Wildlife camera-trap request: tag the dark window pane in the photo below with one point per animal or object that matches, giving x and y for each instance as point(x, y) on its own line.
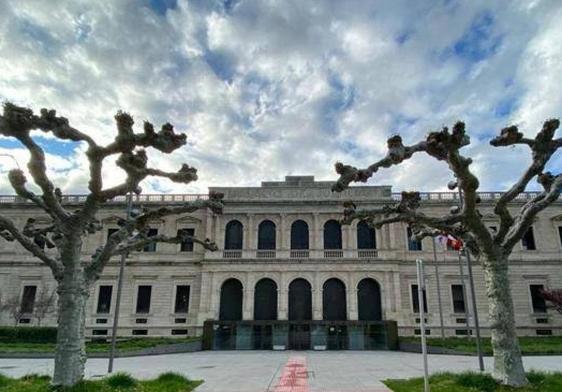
point(413, 244)
point(28, 299)
point(152, 246)
point(369, 300)
point(528, 240)
point(265, 300)
point(415, 299)
point(332, 235)
point(186, 245)
point(458, 298)
point(299, 235)
point(334, 304)
point(231, 300)
point(39, 241)
point(182, 299)
point(143, 299)
point(266, 235)
point(539, 304)
point(560, 234)
point(234, 235)
point(366, 237)
point(104, 299)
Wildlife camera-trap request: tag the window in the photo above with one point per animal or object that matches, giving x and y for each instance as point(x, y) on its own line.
point(266, 235)
point(539, 304)
point(415, 300)
point(187, 244)
point(457, 293)
point(528, 240)
point(560, 234)
point(413, 244)
point(299, 235)
point(143, 299)
point(366, 237)
point(182, 299)
point(28, 299)
point(104, 299)
point(110, 232)
point(152, 246)
point(332, 235)
point(234, 235)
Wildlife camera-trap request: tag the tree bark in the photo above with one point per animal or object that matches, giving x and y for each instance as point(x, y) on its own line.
point(508, 364)
point(73, 291)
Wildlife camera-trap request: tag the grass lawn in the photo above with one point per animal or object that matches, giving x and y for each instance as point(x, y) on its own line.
point(475, 382)
point(167, 382)
point(129, 345)
point(529, 344)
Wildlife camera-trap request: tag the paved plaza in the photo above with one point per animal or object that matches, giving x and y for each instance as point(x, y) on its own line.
point(286, 371)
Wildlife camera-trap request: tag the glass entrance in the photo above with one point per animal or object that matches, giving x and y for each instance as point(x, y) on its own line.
point(337, 338)
point(299, 337)
point(262, 337)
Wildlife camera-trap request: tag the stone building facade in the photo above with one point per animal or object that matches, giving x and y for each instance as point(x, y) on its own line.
point(277, 234)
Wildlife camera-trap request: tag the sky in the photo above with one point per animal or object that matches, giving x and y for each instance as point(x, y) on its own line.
point(265, 89)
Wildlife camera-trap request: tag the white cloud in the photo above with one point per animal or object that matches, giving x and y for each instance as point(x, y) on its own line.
point(267, 88)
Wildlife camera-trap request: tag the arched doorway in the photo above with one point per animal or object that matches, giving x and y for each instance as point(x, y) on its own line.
point(266, 235)
point(299, 235)
point(265, 300)
point(369, 300)
point(233, 235)
point(334, 305)
point(231, 300)
point(300, 309)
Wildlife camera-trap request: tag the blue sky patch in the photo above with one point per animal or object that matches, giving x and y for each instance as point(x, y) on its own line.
point(162, 6)
point(478, 41)
point(222, 64)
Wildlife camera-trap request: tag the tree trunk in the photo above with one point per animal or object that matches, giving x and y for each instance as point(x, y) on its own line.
point(70, 355)
point(508, 364)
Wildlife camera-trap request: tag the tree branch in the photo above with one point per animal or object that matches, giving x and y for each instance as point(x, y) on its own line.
point(10, 233)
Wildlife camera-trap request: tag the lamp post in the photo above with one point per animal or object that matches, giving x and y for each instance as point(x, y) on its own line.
point(438, 289)
point(452, 185)
point(119, 291)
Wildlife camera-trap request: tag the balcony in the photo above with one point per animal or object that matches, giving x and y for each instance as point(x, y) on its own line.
point(293, 254)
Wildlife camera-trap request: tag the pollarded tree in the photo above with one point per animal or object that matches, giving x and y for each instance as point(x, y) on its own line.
point(467, 223)
point(68, 228)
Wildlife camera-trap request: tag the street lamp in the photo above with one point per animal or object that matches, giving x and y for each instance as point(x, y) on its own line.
point(452, 185)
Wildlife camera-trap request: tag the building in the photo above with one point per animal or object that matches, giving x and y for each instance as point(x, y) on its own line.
point(284, 256)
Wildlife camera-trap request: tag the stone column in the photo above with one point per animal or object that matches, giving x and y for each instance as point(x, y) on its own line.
point(351, 292)
point(282, 299)
point(248, 299)
point(249, 240)
point(316, 241)
point(282, 244)
point(317, 298)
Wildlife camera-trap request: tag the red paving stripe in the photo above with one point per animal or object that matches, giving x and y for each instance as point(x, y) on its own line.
point(294, 377)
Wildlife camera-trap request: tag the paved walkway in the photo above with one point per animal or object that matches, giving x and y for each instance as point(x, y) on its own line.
point(285, 371)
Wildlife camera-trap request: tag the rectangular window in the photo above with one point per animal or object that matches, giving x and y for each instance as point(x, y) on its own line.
point(187, 245)
point(560, 234)
point(182, 299)
point(28, 299)
point(104, 299)
point(528, 240)
point(152, 246)
point(413, 244)
point(415, 299)
point(143, 299)
point(458, 298)
point(539, 304)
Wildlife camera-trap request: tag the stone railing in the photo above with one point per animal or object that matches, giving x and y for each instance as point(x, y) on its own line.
point(296, 254)
point(148, 198)
point(452, 196)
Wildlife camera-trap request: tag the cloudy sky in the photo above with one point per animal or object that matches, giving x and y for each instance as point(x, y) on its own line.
point(268, 88)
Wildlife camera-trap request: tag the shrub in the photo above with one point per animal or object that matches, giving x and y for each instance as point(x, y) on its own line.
point(28, 334)
point(121, 381)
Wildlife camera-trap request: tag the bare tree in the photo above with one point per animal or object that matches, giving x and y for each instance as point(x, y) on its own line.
point(12, 306)
point(67, 229)
point(553, 296)
point(44, 304)
point(467, 222)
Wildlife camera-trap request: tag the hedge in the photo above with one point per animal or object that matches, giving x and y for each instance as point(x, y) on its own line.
point(28, 334)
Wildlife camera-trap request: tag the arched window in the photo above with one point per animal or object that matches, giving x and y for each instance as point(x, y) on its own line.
point(234, 235)
point(231, 300)
point(300, 300)
point(266, 235)
point(366, 237)
point(333, 300)
point(299, 235)
point(265, 300)
point(369, 300)
point(332, 235)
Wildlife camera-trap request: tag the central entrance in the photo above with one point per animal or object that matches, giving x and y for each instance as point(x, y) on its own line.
point(300, 309)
